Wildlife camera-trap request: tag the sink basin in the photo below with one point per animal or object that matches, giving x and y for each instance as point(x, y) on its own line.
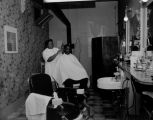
point(109, 83)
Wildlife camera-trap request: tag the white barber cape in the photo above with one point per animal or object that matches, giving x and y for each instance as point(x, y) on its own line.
point(63, 67)
point(68, 66)
point(35, 106)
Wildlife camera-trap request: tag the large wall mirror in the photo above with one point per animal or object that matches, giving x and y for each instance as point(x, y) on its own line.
point(134, 19)
point(150, 26)
point(141, 28)
point(132, 30)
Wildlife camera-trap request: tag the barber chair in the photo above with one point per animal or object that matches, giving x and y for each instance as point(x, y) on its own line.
point(41, 85)
point(76, 92)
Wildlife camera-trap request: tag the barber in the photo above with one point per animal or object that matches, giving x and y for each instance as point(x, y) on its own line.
point(50, 54)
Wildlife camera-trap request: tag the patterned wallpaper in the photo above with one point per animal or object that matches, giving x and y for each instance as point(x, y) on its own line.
point(17, 67)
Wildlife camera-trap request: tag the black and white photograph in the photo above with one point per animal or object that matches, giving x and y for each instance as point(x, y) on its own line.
point(76, 59)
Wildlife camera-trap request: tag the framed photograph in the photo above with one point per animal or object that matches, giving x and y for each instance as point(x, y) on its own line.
point(11, 41)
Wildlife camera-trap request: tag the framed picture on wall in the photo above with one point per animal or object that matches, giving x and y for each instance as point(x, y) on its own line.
point(11, 41)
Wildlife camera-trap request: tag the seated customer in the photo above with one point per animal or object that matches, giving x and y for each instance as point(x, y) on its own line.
point(68, 67)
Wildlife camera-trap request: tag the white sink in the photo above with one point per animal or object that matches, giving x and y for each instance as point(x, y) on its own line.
point(109, 83)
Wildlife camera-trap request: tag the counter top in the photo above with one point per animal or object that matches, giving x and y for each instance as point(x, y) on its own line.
point(143, 77)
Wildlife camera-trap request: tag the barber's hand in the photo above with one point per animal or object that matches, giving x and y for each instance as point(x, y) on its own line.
point(57, 102)
point(59, 51)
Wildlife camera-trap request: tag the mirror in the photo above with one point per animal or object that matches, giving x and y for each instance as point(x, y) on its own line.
point(150, 26)
point(132, 30)
point(141, 28)
point(134, 19)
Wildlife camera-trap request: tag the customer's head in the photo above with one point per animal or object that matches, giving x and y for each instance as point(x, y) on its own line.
point(49, 44)
point(67, 49)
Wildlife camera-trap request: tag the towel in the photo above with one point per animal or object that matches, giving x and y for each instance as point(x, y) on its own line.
point(36, 104)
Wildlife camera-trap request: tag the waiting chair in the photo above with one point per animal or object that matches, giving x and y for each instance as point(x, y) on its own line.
point(41, 84)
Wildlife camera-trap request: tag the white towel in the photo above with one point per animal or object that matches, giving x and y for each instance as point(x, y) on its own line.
point(36, 104)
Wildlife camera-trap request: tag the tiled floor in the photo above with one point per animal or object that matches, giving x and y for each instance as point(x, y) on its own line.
point(100, 109)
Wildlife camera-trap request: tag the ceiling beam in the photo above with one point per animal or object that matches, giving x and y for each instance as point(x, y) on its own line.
point(59, 13)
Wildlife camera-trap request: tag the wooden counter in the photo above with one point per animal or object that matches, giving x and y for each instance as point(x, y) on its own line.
point(141, 79)
point(143, 92)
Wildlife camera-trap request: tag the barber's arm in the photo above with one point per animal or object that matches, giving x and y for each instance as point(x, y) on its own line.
point(53, 56)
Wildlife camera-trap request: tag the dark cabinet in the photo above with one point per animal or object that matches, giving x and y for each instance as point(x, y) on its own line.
point(104, 50)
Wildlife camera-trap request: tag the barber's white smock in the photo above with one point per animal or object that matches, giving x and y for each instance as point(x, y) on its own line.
point(49, 66)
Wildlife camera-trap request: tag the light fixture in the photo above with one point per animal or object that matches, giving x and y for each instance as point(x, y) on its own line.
point(50, 1)
point(125, 18)
point(144, 0)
